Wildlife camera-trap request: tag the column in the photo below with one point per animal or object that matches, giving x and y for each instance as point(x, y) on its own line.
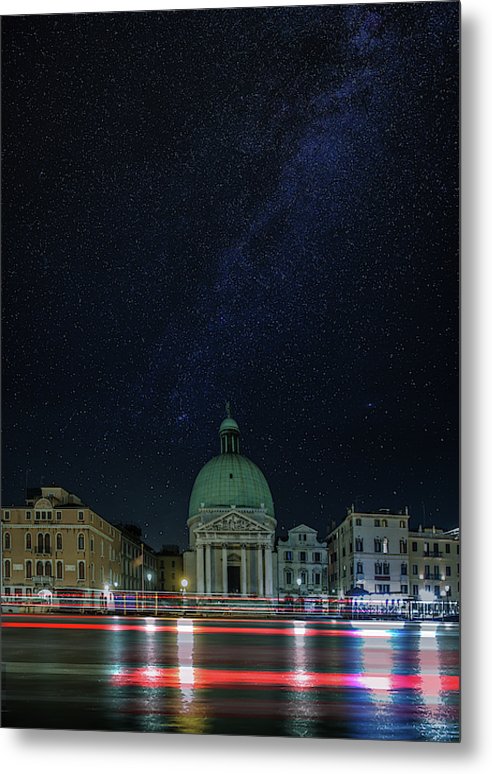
point(259, 570)
point(208, 569)
point(224, 569)
point(199, 568)
point(243, 571)
point(268, 572)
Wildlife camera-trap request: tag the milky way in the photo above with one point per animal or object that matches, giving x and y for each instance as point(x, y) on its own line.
point(254, 205)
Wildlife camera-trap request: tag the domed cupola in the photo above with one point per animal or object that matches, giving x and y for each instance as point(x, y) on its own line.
point(229, 434)
point(230, 479)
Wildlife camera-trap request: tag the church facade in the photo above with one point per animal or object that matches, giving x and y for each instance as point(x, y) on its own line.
point(231, 523)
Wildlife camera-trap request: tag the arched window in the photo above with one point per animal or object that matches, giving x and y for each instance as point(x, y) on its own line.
point(29, 569)
point(81, 570)
point(384, 523)
point(59, 570)
point(47, 543)
point(81, 542)
point(39, 568)
point(7, 568)
point(47, 569)
point(28, 541)
point(40, 543)
point(59, 542)
point(6, 541)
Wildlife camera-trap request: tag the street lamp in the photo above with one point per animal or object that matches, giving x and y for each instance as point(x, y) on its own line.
point(149, 577)
point(184, 584)
point(299, 583)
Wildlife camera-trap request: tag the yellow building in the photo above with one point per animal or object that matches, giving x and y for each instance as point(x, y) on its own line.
point(57, 542)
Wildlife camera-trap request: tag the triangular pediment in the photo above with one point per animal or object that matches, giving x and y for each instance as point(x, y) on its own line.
point(232, 522)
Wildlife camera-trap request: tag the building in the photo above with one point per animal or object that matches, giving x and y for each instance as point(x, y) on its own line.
point(170, 569)
point(231, 523)
point(56, 541)
point(139, 564)
point(434, 558)
point(369, 550)
point(302, 563)
point(376, 552)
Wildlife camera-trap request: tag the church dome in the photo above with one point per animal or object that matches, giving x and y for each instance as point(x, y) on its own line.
point(230, 478)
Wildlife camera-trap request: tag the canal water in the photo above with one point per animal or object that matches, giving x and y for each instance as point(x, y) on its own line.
point(352, 680)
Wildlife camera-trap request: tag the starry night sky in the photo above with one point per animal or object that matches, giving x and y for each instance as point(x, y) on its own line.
point(254, 205)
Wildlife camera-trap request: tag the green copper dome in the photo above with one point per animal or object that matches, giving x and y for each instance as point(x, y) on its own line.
point(230, 478)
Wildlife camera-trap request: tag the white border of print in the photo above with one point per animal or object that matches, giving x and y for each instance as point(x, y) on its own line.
point(52, 751)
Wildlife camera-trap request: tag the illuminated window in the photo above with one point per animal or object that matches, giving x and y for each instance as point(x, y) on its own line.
point(385, 546)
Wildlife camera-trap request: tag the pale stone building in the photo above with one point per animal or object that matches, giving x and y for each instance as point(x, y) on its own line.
point(434, 557)
point(302, 563)
point(376, 552)
point(232, 524)
point(369, 551)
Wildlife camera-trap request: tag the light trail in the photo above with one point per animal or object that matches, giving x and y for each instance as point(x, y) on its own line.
point(431, 685)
